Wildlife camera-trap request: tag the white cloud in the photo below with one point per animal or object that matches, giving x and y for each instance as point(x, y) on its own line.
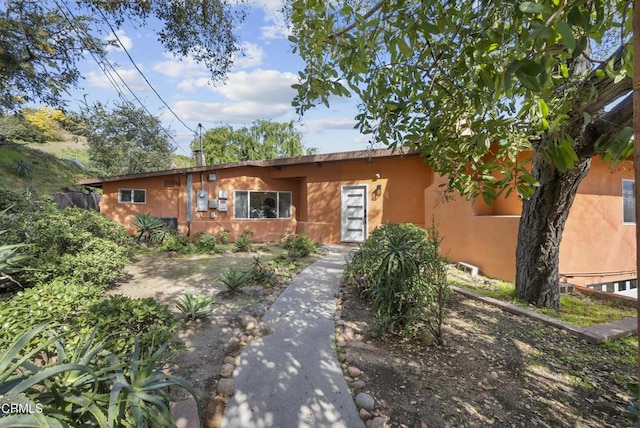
point(180, 67)
point(191, 85)
point(125, 41)
point(253, 55)
point(261, 86)
point(235, 113)
point(131, 77)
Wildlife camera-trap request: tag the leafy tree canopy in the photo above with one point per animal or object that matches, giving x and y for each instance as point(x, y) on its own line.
point(262, 140)
point(41, 41)
point(451, 78)
point(473, 83)
point(126, 140)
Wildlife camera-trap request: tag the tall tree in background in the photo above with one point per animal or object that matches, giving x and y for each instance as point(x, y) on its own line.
point(126, 140)
point(41, 41)
point(472, 83)
point(262, 140)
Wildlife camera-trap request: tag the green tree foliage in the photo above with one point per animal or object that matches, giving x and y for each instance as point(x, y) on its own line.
point(262, 140)
point(16, 127)
point(43, 40)
point(126, 140)
point(472, 84)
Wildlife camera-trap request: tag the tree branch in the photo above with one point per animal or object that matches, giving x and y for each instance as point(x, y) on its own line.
point(350, 27)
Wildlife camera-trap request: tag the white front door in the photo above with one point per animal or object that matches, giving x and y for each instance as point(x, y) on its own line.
point(353, 222)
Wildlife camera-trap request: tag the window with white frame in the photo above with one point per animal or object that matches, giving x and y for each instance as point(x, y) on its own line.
point(260, 204)
point(629, 201)
point(132, 196)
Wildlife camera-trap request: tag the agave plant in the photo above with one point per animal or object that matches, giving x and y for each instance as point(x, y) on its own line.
point(11, 261)
point(148, 225)
point(140, 395)
point(194, 306)
point(234, 280)
point(86, 386)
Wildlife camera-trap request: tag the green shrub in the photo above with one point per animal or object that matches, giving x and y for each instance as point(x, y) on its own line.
point(118, 319)
point(298, 246)
point(16, 127)
point(57, 300)
point(98, 262)
point(204, 242)
point(401, 274)
point(234, 280)
point(223, 236)
point(17, 201)
point(179, 244)
point(263, 274)
point(24, 169)
point(194, 306)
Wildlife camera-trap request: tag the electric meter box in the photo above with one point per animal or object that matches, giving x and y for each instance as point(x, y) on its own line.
point(201, 200)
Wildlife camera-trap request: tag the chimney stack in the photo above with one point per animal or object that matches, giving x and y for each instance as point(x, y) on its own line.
point(199, 155)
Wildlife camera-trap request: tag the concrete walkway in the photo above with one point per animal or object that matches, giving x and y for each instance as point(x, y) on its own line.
point(291, 377)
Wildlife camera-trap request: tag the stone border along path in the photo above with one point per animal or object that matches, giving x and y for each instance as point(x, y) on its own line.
point(289, 376)
point(273, 380)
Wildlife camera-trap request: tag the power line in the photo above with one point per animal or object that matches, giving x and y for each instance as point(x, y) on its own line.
point(141, 73)
point(104, 64)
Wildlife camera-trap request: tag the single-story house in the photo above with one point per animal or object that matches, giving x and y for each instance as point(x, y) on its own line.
point(343, 197)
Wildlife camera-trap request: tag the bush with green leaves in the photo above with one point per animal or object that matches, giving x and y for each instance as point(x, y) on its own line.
point(98, 262)
point(263, 274)
point(119, 319)
point(17, 201)
point(204, 242)
point(222, 236)
point(177, 243)
point(234, 280)
point(194, 307)
point(401, 274)
point(58, 300)
point(298, 246)
point(16, 127)
point(84, 384)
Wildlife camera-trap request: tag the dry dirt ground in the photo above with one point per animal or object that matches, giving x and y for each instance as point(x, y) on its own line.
point(495, 368)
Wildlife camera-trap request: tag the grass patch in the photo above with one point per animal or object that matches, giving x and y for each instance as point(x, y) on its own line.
point(575, 308)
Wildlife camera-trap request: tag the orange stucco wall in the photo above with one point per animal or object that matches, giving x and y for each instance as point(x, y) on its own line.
point(315, 192)
point(594, 239)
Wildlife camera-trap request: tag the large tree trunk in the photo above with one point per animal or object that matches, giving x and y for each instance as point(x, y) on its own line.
point(543, 219)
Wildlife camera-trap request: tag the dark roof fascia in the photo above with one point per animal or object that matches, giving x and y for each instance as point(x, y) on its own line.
point(277, 163)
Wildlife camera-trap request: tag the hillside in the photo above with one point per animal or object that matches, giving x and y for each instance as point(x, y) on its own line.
point(24, 167)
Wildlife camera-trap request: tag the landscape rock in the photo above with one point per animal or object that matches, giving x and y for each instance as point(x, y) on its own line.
point(234, 345)
point(230, 360)
point(365, 401)
point(365, 415)
point(226, 387)
point(377, 422)
point(357, 384)
point(227, 370)
point(354, 371)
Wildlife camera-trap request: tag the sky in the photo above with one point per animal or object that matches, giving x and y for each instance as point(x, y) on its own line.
point(258, 86)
